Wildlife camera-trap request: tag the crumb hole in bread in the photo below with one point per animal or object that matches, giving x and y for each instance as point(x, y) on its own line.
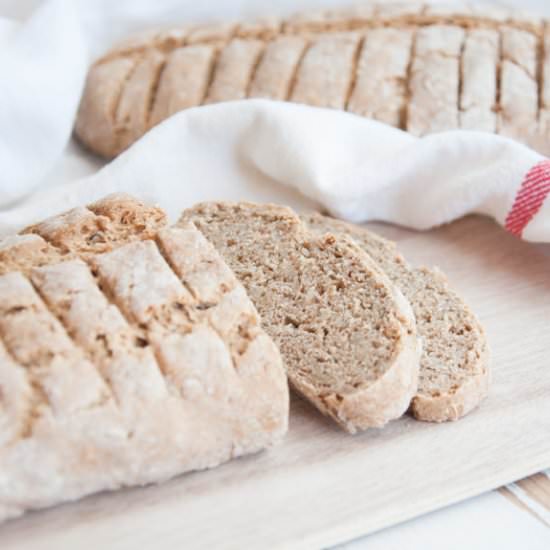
point(15, 310)
point(141, 342)
point(290, 321)
point(203, 306)
point(126, 218)
point(97, 237)
point(103, 339)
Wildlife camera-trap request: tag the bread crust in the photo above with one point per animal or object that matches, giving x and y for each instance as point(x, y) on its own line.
point(129, 353)
point(451, 406)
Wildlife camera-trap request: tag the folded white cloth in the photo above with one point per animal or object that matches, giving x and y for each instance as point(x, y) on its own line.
point(356, 168)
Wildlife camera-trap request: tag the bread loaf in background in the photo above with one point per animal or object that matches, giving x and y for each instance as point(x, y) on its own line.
point(422, 68)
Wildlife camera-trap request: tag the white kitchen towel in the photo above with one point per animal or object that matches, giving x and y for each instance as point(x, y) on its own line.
point(355, 168)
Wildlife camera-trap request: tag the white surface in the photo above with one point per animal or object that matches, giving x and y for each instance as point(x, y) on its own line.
point(36, 161)
point(537, 508)
point(487, 522)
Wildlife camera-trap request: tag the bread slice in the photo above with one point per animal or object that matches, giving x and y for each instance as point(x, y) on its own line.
point(347, 336)
point(454, 368)
point(129, 353)
point(419, 67)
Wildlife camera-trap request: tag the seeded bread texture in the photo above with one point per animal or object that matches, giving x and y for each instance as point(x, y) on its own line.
point(419, 67)
point(347, 336)
point(454, 368)
point(129, 353)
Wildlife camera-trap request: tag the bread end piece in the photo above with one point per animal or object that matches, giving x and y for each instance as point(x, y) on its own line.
point(96, 125)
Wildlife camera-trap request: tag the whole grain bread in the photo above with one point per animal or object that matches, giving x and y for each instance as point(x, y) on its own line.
point(454, 368)
point(346, 334)
point(420, 67)
point(129, 353)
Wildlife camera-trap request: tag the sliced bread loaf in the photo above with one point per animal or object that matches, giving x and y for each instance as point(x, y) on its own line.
point(129, 353)
point(347, 336)
point(454, 368)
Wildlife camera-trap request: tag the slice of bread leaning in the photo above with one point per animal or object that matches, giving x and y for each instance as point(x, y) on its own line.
point(346, 334)
point(129, 353)
point(454, 368)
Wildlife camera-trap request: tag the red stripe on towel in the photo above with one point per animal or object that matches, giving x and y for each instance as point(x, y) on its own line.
point(534, 189)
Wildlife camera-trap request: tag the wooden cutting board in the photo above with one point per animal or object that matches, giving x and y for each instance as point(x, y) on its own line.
point(322, 486)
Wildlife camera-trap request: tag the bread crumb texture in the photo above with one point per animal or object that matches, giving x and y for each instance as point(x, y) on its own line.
point(347, 336)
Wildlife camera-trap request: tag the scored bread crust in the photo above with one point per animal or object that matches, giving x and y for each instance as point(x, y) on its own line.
point(418, 67)
point(129, 353)
point(281, 265)
point(443, 402)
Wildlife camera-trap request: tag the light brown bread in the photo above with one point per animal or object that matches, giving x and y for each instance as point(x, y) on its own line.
point(454, 368)
point(418, 67)
point(129, 353)
point(347, 336)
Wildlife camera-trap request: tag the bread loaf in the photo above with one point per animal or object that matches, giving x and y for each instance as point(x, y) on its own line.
point(129, 353)
point(422, 68)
